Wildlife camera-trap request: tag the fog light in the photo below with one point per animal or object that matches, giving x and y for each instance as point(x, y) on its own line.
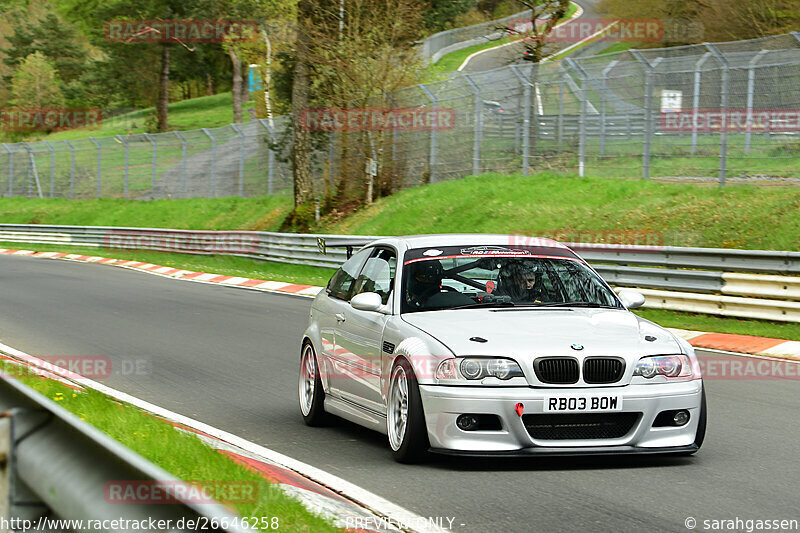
point(681, 418)
point(467, 422)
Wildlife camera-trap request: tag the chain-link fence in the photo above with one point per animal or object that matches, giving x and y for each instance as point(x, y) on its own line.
point(233, 160)
point(728, 111)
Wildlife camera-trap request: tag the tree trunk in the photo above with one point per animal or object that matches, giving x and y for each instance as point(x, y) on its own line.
point(245, 88)
point(209, 84)
point(301, 147)
point(237, 85)
point(163, 90)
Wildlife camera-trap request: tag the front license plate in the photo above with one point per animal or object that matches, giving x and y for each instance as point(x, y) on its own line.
point(582, 404)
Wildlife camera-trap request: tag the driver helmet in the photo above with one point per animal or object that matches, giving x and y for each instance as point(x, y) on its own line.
point(516, 277)
point(424, 280)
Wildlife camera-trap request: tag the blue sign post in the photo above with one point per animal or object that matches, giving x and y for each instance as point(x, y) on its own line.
point(254, 79)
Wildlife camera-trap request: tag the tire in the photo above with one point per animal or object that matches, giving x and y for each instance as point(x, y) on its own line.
point(405, 420)
point(310, 392)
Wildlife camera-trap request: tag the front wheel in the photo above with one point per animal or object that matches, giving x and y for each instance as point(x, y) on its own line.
point(408, 436)
point(312, 397)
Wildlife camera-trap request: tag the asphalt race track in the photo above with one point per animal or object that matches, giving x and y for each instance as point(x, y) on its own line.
point(228, 357)
point(512, 54)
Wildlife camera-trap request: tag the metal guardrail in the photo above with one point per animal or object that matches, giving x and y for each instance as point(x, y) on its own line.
point(703, 273)
point(292, 248)
point(722, 259)
point(440, 44)
point(57, 467)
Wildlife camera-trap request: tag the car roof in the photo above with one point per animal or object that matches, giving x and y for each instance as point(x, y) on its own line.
point(474, 239)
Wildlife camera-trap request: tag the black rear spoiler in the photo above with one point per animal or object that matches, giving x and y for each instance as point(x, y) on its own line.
point(349, 245)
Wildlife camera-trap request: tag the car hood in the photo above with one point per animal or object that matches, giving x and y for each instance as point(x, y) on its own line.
point(530, 333)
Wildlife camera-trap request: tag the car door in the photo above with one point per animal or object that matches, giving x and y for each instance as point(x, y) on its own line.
point(360, 335)
point(330, 311)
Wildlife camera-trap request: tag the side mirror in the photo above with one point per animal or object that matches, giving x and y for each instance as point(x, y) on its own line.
point(631, 299)
point(367, 301)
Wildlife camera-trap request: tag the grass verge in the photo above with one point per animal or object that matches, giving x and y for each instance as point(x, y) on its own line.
point(202, 112)
point(596, 209)
point(264, 213)
point(181, 454)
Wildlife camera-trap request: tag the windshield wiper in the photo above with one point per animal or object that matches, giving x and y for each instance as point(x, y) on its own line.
point(577, 304)
point(484, 304)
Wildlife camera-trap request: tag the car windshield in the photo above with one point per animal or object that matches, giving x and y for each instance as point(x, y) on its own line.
point(436, 280)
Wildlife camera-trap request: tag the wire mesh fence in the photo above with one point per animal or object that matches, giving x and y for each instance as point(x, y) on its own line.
point(722, 112)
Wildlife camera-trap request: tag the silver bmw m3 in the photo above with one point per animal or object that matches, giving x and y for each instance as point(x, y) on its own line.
point(495, 345)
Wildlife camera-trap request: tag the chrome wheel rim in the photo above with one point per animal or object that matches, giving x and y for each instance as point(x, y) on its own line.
point(398, 408)
point(308, 379)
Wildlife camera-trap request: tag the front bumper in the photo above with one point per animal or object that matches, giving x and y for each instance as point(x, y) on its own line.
point(443, 404)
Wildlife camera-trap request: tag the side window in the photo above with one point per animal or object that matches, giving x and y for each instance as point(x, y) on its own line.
point(378, 274)
point(341, 283)
point(582, 285)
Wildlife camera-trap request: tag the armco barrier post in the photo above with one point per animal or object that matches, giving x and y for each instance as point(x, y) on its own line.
point(696, 97)
point(183, 163)
point(124, 142)
point(560, 124)
point(604, 81)
point(241, 158)
point(648, 109)
point(751, 85)
point(724, 91)
point(10, 170)
point(152, 162)
point(33, 170)
point(394, 140)
point(584, 77)
point(52, 168)
point(434, 136)
point(213, 161)
point(526, 119)
point(271, 156)
point(99, 164)
point(331, 154)
point(71, 170)
point(477, 127)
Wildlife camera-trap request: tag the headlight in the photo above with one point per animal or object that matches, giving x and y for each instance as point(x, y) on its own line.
point(474, 368)
point(668, 366)
point(477, 368)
